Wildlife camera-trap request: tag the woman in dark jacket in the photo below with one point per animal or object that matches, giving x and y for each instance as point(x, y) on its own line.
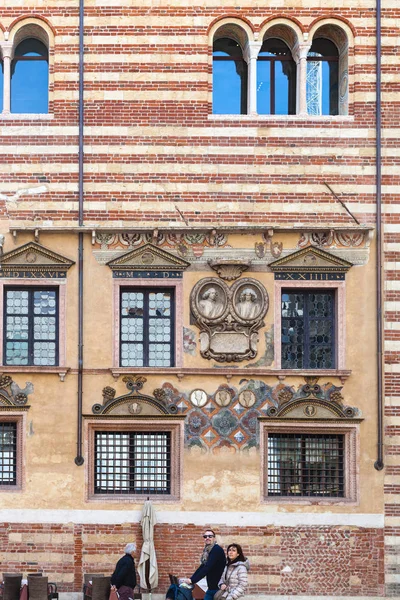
point(124, 577)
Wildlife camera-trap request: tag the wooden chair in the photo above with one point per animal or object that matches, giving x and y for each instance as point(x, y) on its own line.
point(101, 588)
point(38, 587)
point(12, 586)
point(87, 593)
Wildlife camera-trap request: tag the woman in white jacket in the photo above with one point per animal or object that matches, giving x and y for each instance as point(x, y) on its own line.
point(233, 582)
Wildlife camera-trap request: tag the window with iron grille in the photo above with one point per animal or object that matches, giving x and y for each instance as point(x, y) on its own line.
point(132, 462)
point(8, 453)
point(308, 329)
point(306, 465)
point(31, 326)
point(147, 327)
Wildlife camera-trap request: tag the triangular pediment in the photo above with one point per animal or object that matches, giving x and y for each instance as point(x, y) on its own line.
point(33, 258)
point(148, 258)
point(310, 260)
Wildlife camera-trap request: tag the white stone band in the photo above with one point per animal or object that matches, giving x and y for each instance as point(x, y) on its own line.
point(231, 519)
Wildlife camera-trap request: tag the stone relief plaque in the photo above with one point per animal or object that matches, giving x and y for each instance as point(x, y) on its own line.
point(229, 318)
point(198, 398)
point(248, 302)
point(223, 398)
point(247, 398)
point(211, 300)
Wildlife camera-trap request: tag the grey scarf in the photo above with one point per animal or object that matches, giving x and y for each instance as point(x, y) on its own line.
point(206, 552)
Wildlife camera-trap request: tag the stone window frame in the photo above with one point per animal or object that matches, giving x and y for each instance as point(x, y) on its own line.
point(340, 312)
point(21, 29)
point(148, 423)
point(62, 339)
point(351, 433)
point(177, 285)
point(20, 420)
point(299, 42)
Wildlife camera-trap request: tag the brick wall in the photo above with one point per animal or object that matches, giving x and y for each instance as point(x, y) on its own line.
point(337, 561)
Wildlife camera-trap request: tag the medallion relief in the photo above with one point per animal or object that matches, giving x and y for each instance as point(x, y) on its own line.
point(229, 318)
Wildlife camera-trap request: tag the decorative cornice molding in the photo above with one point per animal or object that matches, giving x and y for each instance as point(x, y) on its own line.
point(310, 260)
point(34, 260)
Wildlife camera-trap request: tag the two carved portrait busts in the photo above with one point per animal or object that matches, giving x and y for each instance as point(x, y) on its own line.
point(229, 317)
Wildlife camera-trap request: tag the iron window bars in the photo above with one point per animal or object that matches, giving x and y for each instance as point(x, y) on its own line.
point(8, 453)
point(305, 465)
point(132, 462)
point(31, 326)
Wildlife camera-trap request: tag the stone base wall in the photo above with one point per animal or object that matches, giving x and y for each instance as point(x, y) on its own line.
point(302, 561)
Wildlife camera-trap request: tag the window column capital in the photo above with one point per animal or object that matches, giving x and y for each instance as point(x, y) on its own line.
point(301, 52)
point(7, 50)
point(251, 51)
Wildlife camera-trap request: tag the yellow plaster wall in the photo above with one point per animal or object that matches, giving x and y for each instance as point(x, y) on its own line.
point(225, 479)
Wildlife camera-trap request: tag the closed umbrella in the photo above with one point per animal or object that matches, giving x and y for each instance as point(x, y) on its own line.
point(147, 568)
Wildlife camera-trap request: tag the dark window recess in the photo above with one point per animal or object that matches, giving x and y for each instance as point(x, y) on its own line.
point(323, 78)
point(308, 329)
point(31, 326)
point(305, 465)
point(132, 463)
point(229, 78)
point(30, 78)
point(8, 453)
point(147, 327)
point(276, 79)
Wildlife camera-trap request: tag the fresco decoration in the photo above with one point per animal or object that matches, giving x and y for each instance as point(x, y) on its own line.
point(268, 357)
point(334, 239)
point(235, 427)
point(184, 243)
point(229, 317)
point(134, 402)
point(189, 341)
point(11, 394)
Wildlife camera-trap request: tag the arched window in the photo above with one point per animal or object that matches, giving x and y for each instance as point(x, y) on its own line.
point(30, 78)
point(276, 79)
point(322, 78)
point(229, 78)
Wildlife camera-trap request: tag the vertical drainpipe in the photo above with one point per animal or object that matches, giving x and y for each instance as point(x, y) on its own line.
point(79, 460)
point(379, 464)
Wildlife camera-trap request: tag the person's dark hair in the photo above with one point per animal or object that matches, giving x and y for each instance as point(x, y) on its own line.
point(241, 556)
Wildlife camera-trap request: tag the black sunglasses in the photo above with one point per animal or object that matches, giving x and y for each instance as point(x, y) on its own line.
point(207, 536)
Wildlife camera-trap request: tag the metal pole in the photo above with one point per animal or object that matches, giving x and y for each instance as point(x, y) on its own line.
point(79, 460)
point(379, 464)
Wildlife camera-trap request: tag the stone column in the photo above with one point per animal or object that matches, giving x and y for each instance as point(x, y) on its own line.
point(7, 51)
point(250, 56)
point(302, 78)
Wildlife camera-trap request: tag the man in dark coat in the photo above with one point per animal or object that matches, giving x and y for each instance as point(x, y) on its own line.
point(124, 577)
point(213, 563)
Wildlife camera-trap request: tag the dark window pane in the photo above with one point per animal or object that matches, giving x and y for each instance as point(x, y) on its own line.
point(276, 79)
point(305, 465)
point(30, 78)
point(132, 463)
point(229, 78)
point(8, 453)
point(31, 327)
point(308, 327)
point(147, 328)
point(31, 47)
